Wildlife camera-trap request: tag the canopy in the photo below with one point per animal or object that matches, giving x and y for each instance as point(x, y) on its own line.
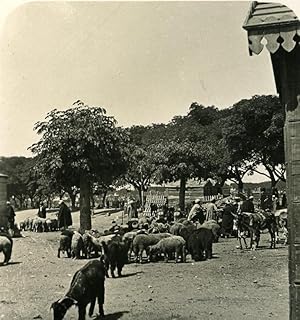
point(274, 24)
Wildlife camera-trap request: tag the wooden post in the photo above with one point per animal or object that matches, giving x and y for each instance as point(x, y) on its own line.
point(287, 68)
point(3, 199)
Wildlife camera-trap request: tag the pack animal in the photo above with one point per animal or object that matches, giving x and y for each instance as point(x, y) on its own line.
point(253, 223)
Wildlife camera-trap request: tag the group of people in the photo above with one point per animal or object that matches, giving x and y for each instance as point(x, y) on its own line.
point(201, 214)
point(224, 215)
point(64, 215)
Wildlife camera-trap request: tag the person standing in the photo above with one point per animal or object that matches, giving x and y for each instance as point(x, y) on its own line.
point(42, 211)
point(64, 216)
point(283, 200)
point(10, 212)
point(227, 219)
point(196, 213)
point(212, 211)
point(248, 205)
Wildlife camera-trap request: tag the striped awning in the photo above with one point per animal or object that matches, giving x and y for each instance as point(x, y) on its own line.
point(273, 25)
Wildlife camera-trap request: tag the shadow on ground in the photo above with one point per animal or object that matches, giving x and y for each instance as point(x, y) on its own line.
point(131, 274)
point(112, 316)
point(9, 263)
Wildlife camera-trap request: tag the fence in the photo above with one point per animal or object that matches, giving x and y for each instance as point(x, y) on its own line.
point(209, 198)
point(154, 198)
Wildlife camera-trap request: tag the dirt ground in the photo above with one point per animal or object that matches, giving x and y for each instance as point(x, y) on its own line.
point(235, 284)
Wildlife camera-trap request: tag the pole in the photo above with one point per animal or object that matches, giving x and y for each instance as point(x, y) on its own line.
point(142, 189)
point(287, 66)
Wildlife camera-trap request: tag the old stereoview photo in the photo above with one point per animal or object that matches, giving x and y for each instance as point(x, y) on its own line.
point(149, 160)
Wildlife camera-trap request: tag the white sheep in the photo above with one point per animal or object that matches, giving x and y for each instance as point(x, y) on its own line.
point(169, 246)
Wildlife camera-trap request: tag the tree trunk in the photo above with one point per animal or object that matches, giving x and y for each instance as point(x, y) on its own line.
point(182, 194)
point(49, 202)
point(140, 194)
point(73, 200)
point(240, 186)
point(272, 176)
point(85, 207)
point(103, 198)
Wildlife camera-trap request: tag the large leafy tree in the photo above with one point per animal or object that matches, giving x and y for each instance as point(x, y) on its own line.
point(188, 151)
point(142, 165)
point(78, 147)
point(253, 134)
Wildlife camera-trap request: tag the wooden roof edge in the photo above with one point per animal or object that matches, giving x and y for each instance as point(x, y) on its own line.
point(269, 24)
point(249, 13)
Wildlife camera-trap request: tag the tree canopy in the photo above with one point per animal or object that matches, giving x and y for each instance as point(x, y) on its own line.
point(79, 146)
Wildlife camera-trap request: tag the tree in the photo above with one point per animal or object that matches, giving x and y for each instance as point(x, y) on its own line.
point(253, 134)
point(82, 145)
point(21, 181)
point(141, 168)
point(181, 160)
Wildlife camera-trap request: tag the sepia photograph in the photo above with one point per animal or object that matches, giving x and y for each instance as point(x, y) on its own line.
point(149, 160)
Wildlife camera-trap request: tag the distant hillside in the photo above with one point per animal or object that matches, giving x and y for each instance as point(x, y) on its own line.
point(266, 184)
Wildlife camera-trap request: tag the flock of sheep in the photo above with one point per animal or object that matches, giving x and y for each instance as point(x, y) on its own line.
point(38, 224)
point(147, 241)
point(123, 246)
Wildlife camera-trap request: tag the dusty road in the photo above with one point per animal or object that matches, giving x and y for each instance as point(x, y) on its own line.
point(234, 285)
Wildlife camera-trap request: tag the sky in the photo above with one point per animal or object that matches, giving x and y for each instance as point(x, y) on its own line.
point(145, 62)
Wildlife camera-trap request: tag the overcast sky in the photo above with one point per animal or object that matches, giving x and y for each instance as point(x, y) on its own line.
point(143, 61)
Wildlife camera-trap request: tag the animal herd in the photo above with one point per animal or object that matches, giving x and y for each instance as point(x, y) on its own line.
point(38, 224)
point(143, 244)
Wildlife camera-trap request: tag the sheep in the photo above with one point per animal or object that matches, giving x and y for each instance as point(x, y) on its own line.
point(65, 243)
point(87, 284)
point(142, 242)
point(183, 229)
point(6, 244)
point(48, 224)
point(214, 227)
point(76, 245)
point(128, 239)
point(22, 225)
point(28, 222)
point(200, 241)
point(115, 255)
point(39, 225)
point(87, 245)
point(168, 246)
point(54, 224)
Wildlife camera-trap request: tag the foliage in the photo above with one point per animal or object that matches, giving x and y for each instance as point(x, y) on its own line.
point(79, 146)
point(21, 180)
point(253, 134)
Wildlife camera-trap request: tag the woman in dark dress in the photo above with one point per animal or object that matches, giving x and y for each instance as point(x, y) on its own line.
point(227, 219)
point(64, 216)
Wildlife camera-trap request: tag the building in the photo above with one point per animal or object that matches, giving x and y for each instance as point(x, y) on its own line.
point(280, 27)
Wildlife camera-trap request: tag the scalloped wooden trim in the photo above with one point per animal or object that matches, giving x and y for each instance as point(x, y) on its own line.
point(272, 36)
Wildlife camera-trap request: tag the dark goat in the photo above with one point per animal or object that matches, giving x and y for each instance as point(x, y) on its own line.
point(200, 241)
point(87, 285)
point(115, 256)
